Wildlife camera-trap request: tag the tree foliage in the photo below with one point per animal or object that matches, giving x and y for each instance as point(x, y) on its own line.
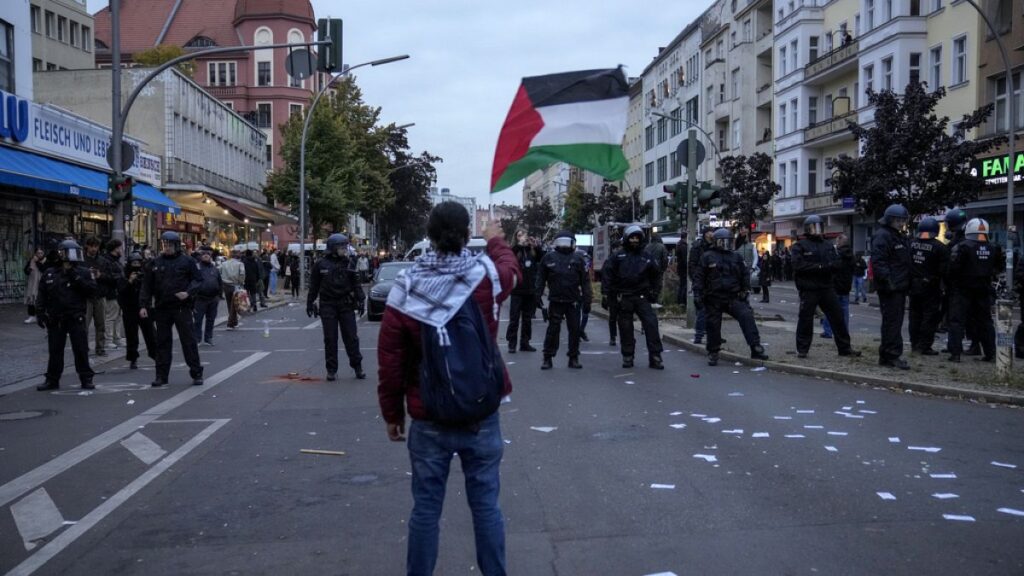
point(157, 55)
point(538, 217)
point(910, 156)
point(579, 209)
point(410, 177)
point(614, 206)
point(510, 223)
point(747, 188)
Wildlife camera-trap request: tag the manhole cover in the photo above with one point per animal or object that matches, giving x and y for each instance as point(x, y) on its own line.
point(25, 415)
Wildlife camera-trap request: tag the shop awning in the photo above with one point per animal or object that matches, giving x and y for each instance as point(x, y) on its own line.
point(27, 170)
point(246, 212)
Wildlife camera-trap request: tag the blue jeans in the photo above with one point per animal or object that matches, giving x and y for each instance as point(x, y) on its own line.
point(430, 452)
point(204, 314)
point(844, 303)
point(273, 281)
point(700, 330)
point(859, 293)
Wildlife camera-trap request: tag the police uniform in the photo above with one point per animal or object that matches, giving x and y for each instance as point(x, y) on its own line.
point(700, 246)
point(336, 283)
point(64, 293)
point(891, 262)
point(523, 300)
point(610, 304)
point(165, 277)
point(630, 281)
point(814, 263)
point(973, 265)
point(564, 273)
point(930, 259)
point(722, 284)
point(128, 298)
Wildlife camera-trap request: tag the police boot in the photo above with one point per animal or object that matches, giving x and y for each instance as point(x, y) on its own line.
point(88, 385)
point(654, 361)
point(974, 350)
point(627, 361)
point(134, 365)
point(360, 375)
point(574, 362)
point(159, 382)
point(713, 359)
point(611, 342)
point(954, 358)
point(48, 385)
point(197, 378)
point(511, 347)
point(546, 364)
point(757, 352)
point(331, 376)
point(525, 347)
point(583, 336)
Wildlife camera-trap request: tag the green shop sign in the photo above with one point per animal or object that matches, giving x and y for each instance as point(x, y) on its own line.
point(994, 170)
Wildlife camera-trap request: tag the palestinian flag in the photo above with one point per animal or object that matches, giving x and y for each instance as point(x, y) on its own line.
point(574, 117)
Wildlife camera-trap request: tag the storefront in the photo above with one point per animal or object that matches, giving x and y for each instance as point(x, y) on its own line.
point(993, 201)
point(231, 221)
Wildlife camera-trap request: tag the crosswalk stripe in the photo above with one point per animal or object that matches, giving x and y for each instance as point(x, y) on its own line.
point(36, 516)
point(143, 448)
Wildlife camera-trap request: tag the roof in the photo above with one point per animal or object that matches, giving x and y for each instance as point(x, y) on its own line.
point(300, 10)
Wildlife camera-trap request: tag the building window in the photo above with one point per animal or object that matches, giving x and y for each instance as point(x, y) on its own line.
point(264, 115)
point(221, 73)
point(649, 174)
point(648, 137)
point(888, 10)
point(783, 181)
point(915, 7)
point(62, 24)
point(270, 156)
point(73, 34)
point(86, 39)
point(34, 16)
point(887, 73)
point(736, 133)
point(915, 67)
point(6, 57)
point(735, 83)
point(711, 98)
point(721, 92)
point(263, 73)
point(662, 130)
point(51, 24)
point(812, 176)
point(662, 169)
point(869, 78)
point(936, 5)
point(959, 60)
point(691, 110)
point(51, 67)
point(794, 113)
point(812, 110)
point(674, 166)
point(1000, 111)
point(200, 42)
point(828, 181)
point(935, 76)
point(782, 119)
point(37, 65)
point(782, 62)
point(812, 50)
point(794, 176)
point(294, 109)
point(747, 36)
point(721, 138)
point(793, 47)
point(677, 124)
point(829, 107)
point(869, 14)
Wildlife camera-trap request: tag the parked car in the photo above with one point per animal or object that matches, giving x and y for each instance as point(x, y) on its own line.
point(383, 280)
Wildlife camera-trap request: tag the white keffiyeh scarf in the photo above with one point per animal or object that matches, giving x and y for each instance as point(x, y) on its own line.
point(433, 290)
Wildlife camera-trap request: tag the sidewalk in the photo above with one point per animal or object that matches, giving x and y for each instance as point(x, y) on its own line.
point(24, 345)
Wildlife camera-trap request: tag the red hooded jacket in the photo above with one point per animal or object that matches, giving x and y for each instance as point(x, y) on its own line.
point(399, 349)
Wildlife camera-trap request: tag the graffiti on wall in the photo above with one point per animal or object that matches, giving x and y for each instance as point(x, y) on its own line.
point(14, 249)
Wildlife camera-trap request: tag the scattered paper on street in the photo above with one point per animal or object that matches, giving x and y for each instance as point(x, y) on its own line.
point(544, 429)
point(885, 495)
point(929, 449)
point(759, 435)
point(1011, 511)
point(944, 495)
point(958, 517)
point(943, 476)
point(831, 448)
point(1004, 465)
point(706, 457)
point(663, 486)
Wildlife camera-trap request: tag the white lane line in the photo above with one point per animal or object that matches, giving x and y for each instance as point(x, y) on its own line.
point(67, 537)
point(313, 326)
point(36, 477)
point(143, 448)
point(36, 516)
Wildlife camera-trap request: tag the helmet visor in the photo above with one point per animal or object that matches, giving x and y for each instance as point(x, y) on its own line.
point(723, 243)
point(71, 254)
point(898, 223)
point(814, 229)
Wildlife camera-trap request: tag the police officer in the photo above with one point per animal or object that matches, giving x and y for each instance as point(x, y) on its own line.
point(523, 300)
point(128, 298)
point(722, 284)
point(930, 264)
point(700, 246)
point(64, 294)
point(168, 289)
point(891, 262)
point(564, 272)
point(335, 281)
point(608, 304)
point(630, 282)
point(973, 265)
point(815, 261)
point(956, 220)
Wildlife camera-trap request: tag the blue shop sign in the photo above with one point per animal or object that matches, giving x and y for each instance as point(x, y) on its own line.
point(14, 119)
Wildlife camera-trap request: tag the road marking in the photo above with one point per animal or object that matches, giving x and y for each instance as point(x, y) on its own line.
point(36, 516)
point(313, 326)
point(143, 448)
point(66, 538)
point(36, 477)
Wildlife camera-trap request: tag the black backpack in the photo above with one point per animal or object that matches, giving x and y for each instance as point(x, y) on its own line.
point(462, 375)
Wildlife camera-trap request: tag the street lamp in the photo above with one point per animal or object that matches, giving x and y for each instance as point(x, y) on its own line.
point(302, 155)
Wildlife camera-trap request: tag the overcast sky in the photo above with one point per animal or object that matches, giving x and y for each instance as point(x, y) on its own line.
point(468, 56)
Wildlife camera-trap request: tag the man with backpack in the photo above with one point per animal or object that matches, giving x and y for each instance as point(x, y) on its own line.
point(439, 361)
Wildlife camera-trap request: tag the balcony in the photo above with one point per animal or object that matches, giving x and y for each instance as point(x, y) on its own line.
point(834, 61)
point(227, 92)
point(831, 127)
point(764, 95)
point(764, 43)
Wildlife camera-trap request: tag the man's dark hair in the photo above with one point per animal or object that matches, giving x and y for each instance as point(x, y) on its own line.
point(448, 227)
point(92, 241)
point(114, 244)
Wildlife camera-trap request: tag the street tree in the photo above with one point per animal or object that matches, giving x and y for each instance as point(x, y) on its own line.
point(747, 188)
point(410, 177)
point(579, 209)
point(615, 206)
point(538, 216)
point(911, 156)
point(157, 55)
point(511, 223)
point(346, 162)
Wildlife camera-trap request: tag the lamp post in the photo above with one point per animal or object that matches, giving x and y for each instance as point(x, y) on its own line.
point(302, 155)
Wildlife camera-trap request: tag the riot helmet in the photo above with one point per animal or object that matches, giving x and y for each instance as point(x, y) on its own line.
point(928, 229)
point(955, 219)
point(722, 239)
point(563, 241)
point(896, 216)
point(813, 226)
point(977, 229)
point(337, 244)
point(70, 251)
point(170, 241)
point(135, 260)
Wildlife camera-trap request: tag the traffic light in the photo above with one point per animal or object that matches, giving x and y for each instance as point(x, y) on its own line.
point(120, 188)
point(708, 196)
point(675, 203)
point(328, 56)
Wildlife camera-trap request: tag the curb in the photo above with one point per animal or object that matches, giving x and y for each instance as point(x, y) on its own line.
point(938, 390)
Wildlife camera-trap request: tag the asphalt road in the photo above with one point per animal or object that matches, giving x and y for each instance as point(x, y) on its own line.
point(693, 470)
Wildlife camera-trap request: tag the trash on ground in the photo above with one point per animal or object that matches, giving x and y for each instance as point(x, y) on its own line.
point(831, 448)
point(322, 452)
point(663, 486)
point(758, 369)
point(928, 449)
point(944, 476)
point(958, 517)
point(885, 495)
point(544, 429)
point(706, 457)
point(944, 495)
point(1004, 465)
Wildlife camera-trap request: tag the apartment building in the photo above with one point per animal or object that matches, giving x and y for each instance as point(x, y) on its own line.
point(633, 144)
point(551, 183)
point(438, 195)
point(62, 36)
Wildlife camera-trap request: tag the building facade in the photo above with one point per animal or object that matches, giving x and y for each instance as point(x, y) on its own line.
point(62, 35)
point(438, 195)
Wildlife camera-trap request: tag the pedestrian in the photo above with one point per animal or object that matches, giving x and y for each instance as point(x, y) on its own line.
point(764, 276)
point(777, 266)
point(860, 273)
point(583, 308)
point(747, 251)
point(722, 284)
point(64, 294)
point(450, 274)
point(680, 264)
point(293, 266)
point(700, 246)
point(929, 268)
point(264, 286)
point(363, 267)
point(609, 304)
point(842, 280)
point(336, 284)
point(523, 301)
point(787, 265)
point(109, 282)
point(630, 282)
point(232, 278)
point(33, 274)
point(564, 273)
point(128, 299)
point(94, 314)
point(252, 279)
point(656, 251)
point(814, 263)
point(891, 263)
point(168, 290)
point(211, 290)
point(275, 270)
point(973, 265)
